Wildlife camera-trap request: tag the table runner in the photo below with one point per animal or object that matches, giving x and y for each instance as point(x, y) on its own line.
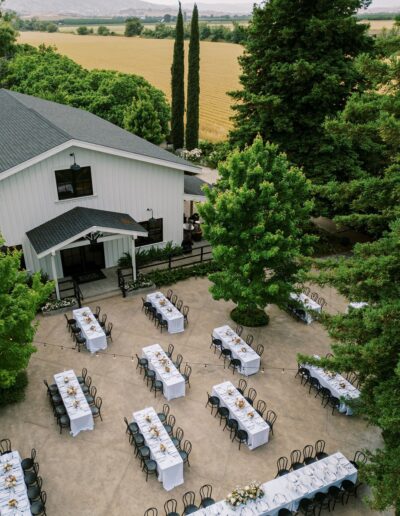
point(308, 304)
point(256, 427)
point(168, 311)
point(169, 462)
point(337, 384)
point(81, 416)
point(173, 381)
point(287, 491)
point(92, 331)
point(248, 357)
point(17, 492)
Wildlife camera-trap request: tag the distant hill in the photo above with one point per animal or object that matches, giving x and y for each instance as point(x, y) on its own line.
point(93, 8)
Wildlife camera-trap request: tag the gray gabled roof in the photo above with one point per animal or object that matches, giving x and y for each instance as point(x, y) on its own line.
point(30, 126)
point(55, 232)
point(193, 185)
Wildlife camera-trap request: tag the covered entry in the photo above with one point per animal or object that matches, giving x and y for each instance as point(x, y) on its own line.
point(79, 235)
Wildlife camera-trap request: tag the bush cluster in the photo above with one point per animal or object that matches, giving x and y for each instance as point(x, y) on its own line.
point(170, 276)
point(16, 392)
point(151, 254)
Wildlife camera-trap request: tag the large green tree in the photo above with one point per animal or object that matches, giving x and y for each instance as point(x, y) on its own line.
point(193, 85)
point(297, 69)
point(18, 306)
point(255, 217)
point(366, 341)
point(133, 27)
point(178, 85)
point(47, 74)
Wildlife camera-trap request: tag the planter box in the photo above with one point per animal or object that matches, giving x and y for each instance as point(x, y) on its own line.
point(140, 291)
point(61, 310)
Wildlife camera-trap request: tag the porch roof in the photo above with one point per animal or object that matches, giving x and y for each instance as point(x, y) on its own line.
point(79, 222)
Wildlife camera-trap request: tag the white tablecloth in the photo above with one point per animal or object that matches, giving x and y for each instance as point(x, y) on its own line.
point(19, 492)
point(256, 427)
point(356, 305)
point(173, 381)
point(169, 462)
point(338, 385)
point(92, 331)
point(249, 358)
point(308, 304)
point(168, 311)
point(81, 416)
point(287, 491)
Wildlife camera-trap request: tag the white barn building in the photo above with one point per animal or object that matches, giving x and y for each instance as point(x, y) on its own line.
point(76, 191)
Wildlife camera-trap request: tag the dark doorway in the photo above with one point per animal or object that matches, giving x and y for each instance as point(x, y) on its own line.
point(84, 262)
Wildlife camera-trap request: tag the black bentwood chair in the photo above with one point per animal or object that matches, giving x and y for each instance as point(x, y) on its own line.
point(189, 506)
point(282, 465)
point(206, 496)
point(170, 507)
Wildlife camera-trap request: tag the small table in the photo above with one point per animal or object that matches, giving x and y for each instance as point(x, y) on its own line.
point(94, 334)
point(169, 461)
point(80, 415)
point(308, 304)
point(255, 426)
point(17, 492)
point(247, 356)
point(173, 381)
point(168, 311)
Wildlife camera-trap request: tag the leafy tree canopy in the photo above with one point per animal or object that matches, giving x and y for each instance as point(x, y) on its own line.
point(133, 27)
point(297, 69)
point(18, 306)
point(366, 341)
point(46, 74)
point(254, 218)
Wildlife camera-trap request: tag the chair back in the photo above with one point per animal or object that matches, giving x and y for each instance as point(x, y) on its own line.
point(319, 446)
point(39, 482)
point(5, 446)
point(110, 327)
point(187, 447)
point(322, 302)
point(43, 497)
point(360, 457)
point(47, 385)
point(179, 304)
point(329, 355)
point(127, 424)
point(249, 339)
point(282, 463)
point(93, 391)
point(170, 505)
point(206, 491)
point(171, 420)
point(179, 433)
point(252, 394)
point(239, 330)
point(84, 373)
point(185, 310)
point(188, 371)
point(179, 359)
point(188, 498)
point(306, 291)
point(98, 309)
point(270, 417)
point(242, 384)
point(295, 456)
point(33, 454)
point(104, 318)
point(171, 348)
point(166, 409)
point(66, 317)
point(88, 381)
point(260, 350)
point(314, 296)
point(308, 451)
point(151, 512)
point(261, 406)
point(36, 468)
point(169, 293)
point(174, 299)
point(99, 402)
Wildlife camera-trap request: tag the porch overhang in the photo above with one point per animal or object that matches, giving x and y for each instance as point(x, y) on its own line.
point(193, 189)
point(77, 223)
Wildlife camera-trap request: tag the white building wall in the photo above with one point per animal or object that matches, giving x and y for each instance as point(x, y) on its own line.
point(29, 198)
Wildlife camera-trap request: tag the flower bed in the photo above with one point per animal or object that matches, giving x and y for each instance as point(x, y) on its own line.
point(242, 495)
point(59, 306)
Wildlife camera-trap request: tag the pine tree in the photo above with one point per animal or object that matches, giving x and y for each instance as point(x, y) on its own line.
point(178, 86)
point(193, 91)
point(298, 69)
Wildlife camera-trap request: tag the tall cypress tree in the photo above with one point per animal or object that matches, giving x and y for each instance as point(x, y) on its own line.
point(193, 92)
point(178, 86)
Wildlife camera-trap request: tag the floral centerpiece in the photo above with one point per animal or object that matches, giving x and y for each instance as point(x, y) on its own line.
point(76, 403)
point(164, 361)
point(162, 448)
point(71, 391)
point(241, 495)
point(11, 481)
point(163, 302)
point(93, 327)
point(155, 431)
point(13, 503)
point(237, 340)
point(250, 414)
point(66, 379)
point(331, 374)
point(158, 354)
point(240, 403)
point(88, 319)
point(167, 369)
point(148, 418)
point(243, 350)
point(7, 466)
point(342, 385)
point(230, 392)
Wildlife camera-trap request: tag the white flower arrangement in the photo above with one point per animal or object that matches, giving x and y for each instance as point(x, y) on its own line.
point(241, 495)
point(57, 304)
point(191, 155)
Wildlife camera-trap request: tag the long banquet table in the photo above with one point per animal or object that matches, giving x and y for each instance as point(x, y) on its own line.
point(169, 461)
point(255, 426)
point(10, 466)
point(308, 304)
point(247, 356)
point(80, 415)
point(173, 381)
point(94, 334)
point(286, 492)
point(337, 384)
point(168, 311)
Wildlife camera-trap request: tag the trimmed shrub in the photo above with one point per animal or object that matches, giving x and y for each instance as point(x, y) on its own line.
point(250, 318)
point(169, 276)
point(16, 392)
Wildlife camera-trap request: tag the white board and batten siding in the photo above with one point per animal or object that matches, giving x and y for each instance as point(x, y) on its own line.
point(29, 198)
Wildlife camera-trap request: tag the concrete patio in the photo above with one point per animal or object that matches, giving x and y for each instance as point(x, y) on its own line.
point(96, 472)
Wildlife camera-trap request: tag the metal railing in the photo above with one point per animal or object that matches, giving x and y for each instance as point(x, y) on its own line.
point(70, 288)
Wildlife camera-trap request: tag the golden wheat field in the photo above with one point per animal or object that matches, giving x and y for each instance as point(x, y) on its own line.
point(152, 59)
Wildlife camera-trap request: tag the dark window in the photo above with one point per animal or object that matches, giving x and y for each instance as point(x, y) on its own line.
point(155, 229)
point(72, 183)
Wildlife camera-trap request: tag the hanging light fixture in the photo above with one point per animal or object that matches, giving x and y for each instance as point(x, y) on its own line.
point(75, 167)
point(93, 237)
